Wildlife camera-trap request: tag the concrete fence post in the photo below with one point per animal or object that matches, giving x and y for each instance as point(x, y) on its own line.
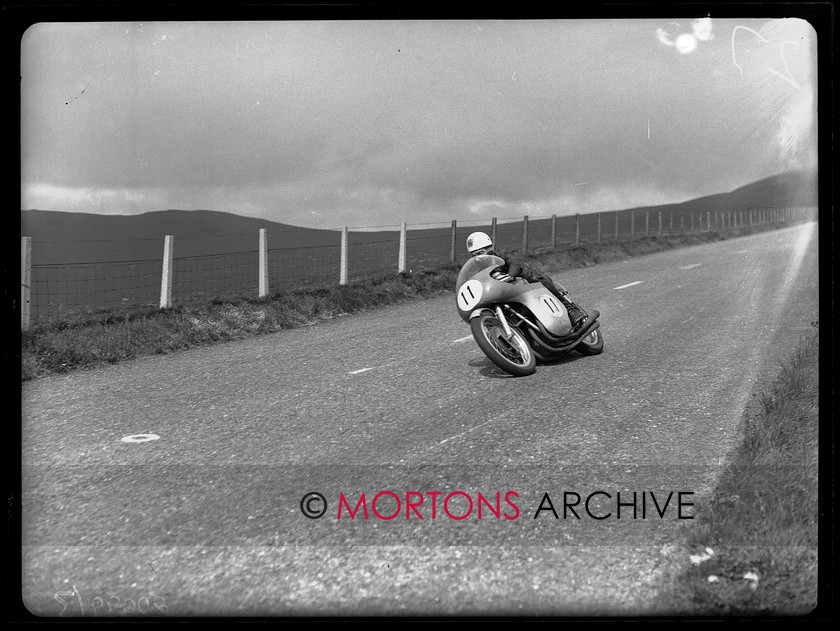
point(525, 234)
point(493, 230)
point(452, 241)
point(263, 263)
point(166, 273)
point(616, 225)
point(647, 223)
point(401, 257)
point(708, 221)
point(598, 237)
point(660, 223)
point(632, 225)
point(553, 232)
point(691, 216)
point(342, 273)
point(577, 228)
point(25, 281)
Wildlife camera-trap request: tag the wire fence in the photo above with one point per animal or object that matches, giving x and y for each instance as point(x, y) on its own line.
point(323, 258)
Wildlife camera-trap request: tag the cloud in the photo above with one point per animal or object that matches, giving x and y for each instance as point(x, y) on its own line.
point(87, 199)
point(375, 122)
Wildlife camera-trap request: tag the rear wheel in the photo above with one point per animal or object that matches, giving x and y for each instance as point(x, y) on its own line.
point(592, 344)
point(512, 355)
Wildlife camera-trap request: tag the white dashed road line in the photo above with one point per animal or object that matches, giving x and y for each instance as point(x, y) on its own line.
point(692, 266)
point(356, 372)
point(472, 429)
point(462, 339)
point(638, 282)
point(139, 438)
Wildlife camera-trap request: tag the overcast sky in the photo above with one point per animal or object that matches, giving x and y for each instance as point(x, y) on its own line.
point(332, 123)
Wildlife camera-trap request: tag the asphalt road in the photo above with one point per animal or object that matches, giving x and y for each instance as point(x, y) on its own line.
point(206, 518)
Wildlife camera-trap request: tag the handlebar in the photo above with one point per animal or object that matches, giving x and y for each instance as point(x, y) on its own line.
point(501, 276)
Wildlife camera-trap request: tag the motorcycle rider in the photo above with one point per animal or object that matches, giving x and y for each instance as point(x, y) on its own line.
point(515, 266)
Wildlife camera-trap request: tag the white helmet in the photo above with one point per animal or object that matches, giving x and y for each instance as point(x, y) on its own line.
point(477, 241)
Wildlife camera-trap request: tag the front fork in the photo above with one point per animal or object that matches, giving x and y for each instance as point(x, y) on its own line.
point(500, 314)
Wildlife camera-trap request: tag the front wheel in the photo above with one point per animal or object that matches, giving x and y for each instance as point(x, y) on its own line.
point(513, 356)
point(592, 344)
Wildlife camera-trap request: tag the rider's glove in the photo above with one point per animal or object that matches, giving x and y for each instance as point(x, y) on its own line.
point(501, 276)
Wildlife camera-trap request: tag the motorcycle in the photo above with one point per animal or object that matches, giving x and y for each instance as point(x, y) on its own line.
point(517, 323)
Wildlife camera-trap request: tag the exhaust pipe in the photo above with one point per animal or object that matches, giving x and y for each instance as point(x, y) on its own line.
point(553, 349)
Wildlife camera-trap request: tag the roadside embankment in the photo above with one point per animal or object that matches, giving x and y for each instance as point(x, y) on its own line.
point(753, 544)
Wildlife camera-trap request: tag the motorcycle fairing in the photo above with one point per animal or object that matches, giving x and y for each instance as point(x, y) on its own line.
point(476, 264)
point(476, 287)
point(547, 308)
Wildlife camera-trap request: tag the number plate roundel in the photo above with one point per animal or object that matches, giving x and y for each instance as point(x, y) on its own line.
point(470, 294)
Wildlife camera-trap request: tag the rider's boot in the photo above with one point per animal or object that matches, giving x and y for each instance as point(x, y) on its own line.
point(576, 314)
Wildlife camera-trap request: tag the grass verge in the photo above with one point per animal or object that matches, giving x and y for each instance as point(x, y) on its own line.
point(109, 337)
point(756, 537)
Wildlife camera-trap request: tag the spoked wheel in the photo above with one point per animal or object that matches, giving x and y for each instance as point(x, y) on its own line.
point(512, 355)
point(592, 344)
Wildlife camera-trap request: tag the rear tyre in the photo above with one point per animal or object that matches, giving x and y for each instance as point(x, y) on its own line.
point(592, 344)
point(513, 356)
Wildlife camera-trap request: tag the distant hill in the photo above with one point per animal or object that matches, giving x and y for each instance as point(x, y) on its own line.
point(792, 189)
point(61, 237)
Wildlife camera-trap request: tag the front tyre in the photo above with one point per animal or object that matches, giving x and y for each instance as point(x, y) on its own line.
point(513, 356)
point(592, 344)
